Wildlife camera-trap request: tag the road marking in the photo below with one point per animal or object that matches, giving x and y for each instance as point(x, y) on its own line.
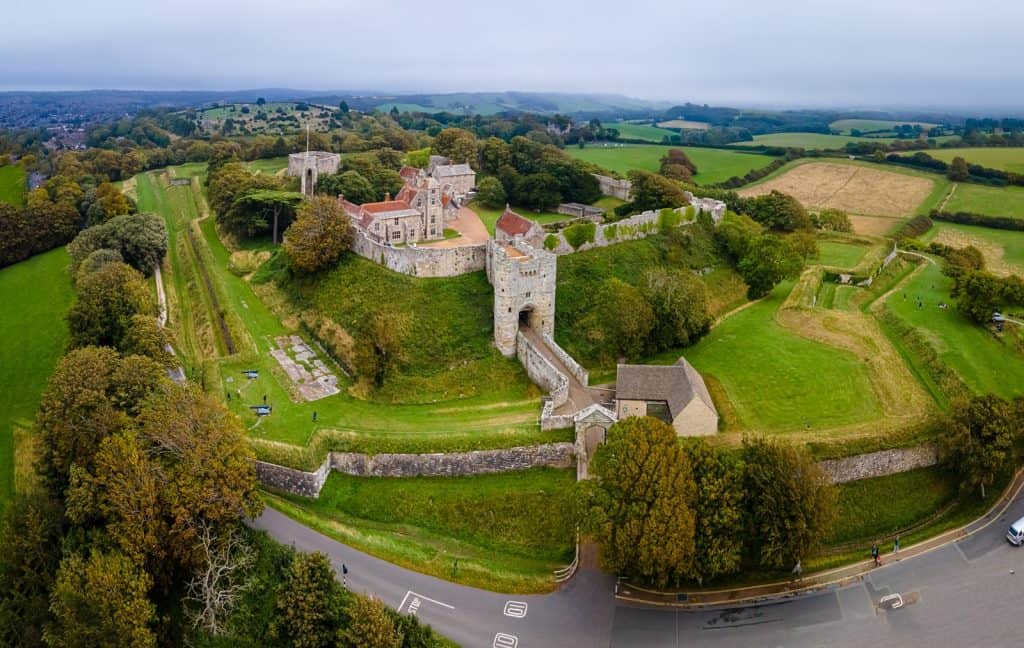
point(515, 609)
point(417, 599)
point(502, 640)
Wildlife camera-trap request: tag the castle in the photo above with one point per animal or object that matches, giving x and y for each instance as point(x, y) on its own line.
point(308, 166)
point(524, 288)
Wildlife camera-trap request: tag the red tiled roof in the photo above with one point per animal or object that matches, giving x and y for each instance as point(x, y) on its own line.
point(408, 172)
point(385, 206)
point(513, 224)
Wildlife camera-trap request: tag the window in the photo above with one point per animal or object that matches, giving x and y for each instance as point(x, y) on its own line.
point(433, 219)
point(396, 235)
point(376, 227)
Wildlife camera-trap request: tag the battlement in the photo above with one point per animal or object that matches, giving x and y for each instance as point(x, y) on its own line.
point(524, 290)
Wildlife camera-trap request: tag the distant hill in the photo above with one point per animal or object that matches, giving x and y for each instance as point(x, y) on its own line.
point(490, 103)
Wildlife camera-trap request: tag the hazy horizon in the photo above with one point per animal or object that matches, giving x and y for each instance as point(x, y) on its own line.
point(860, 55)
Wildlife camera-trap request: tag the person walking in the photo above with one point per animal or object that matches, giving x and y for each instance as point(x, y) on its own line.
point(896, 544)
point(874, 553)
point(344, 576)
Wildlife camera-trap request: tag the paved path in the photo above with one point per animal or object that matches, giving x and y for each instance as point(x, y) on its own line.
point(966, 593)
point(471, 229)
point(580, 395)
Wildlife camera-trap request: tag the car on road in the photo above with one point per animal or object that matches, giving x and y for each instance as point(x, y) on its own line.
point(1016, 532)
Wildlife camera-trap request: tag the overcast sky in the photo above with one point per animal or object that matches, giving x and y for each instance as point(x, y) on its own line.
point(854, 53)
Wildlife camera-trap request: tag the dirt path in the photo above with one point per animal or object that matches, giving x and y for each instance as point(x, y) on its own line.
point(945, 200)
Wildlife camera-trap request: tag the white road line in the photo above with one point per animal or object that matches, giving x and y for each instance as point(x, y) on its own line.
point(425, 598)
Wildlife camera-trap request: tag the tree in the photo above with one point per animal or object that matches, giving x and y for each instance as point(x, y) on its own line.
point(804, 244)
point(640, 507)
point(767, 262)
point(833, 220)
point(958, 171)
point(620, 320)
point(144, 337)
point(260, 101)
point(107, 301)
point(490, 193)
point(790, 503)
point(679, 301)
point(318, 237)
point(350, 184)
point(260, 209)
point(494, 154)
point(537, 191)
point(370, 625)
point(718, 539)
point(381, 347)
point(779, 211)
point(140, 239)
point(677, 165)
point(219, 582)
point(977, 295)
point(343, 107)
point(309, 604)
point(456, 144)
point(30, 543)
point(101, 601)
point(651, 191)
point(977, 441)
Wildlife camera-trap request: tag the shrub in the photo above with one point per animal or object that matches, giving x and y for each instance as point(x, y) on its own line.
point(581, 233)
point(981, 220)
point(550, 242)
point(667, 219)
point(914, 228)
point(610, 232)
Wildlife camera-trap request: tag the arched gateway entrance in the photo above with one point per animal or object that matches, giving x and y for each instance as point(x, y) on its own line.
point(591, 425)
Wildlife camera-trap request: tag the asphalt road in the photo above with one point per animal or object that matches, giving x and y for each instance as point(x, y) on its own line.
point(964, 594)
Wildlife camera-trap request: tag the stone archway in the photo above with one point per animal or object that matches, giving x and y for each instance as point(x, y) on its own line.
point(309, 183)
point(594, 436)
point(591, 425)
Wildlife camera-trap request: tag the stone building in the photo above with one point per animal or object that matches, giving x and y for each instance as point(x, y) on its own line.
point(308, 166)
point(417, 213)
point(511, 225)
point(524, 290)
point(457, 179)
point(675, 394)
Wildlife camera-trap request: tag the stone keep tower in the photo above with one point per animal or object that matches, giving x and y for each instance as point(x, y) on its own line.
point(309, 165)
point(524, 290)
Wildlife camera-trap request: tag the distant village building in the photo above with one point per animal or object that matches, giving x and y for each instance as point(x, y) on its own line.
point(309, 165)
point(675, 394)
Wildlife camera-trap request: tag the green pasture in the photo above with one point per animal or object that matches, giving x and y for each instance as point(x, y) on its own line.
point(508, 531)
point(36, 294)
point(778, 381)
point(641, 131)
point(844, 126)
point(713, 165)
point(1007, 159)
point(270, 166)
point(808, 140)
point(839, 255)
point(987, 364)
point(1010, 242)
point(982, 199)
point(12, 184)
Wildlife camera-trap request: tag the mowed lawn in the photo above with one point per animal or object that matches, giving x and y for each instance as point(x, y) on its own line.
point(713, 165)
point(508, 531)
point(982, 199)
point(36, 294)
point(839, 255)
point(270, 166)
point(12, 184)
point(490, 216)
point(1005, 158)
point(778, 381)
point(983, 361)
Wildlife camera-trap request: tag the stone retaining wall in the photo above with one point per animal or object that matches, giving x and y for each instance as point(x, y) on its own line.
point(420, 261)
point(567, 360)
point(477, 462)
point(541, 371)
point(879, 464)
point(614, 187)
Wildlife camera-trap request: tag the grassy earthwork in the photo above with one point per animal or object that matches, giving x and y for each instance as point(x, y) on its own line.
point(713, 165)
point(837, 254)
point(36, 294)
point(12, 184)
point(507, 531)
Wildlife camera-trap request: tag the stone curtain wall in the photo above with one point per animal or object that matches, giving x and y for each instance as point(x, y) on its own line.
point(627, 229)
point(477, 462)
point(541, 371)
point(614, 187)
point(879, 464)
point(570, 363)
point(422, 261)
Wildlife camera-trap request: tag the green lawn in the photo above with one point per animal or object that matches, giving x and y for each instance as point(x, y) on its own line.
point(508, 531)
point(12, 184)
point(490, 216)
point(641, 131)
point(839, 255)
point(713, 165)
point(36, 294)
point(982, 199)
point(808, 140)
point(1007, 159)
point(269, 166)
point(778, 381)
point(983, 361)
point(844, 126)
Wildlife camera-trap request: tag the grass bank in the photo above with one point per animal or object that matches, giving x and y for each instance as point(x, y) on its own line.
point(12, 184)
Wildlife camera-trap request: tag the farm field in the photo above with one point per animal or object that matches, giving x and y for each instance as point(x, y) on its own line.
point(12, 184)
point(969, 349)
point(844, 126)
point(839, 255)
point(981, 199)
point(426, 523)
point(1003, 249)
point(684, 124)
point(713, 165)
point(1005, 158)
point(33, 334)
point(778, 381)
point(808, 140)
point(852, 188)
point(640, 131)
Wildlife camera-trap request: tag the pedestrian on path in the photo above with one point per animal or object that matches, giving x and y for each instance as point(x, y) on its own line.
point(344, 576)
point(896, 544)
point(874, 554)
point(798, 570)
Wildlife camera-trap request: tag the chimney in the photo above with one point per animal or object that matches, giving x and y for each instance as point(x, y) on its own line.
point(387, 196)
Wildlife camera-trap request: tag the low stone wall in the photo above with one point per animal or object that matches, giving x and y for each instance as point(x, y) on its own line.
point(614, 187)
point(291, 480)
point(567, 360)
point(422, 261)
point(541, 371)
point(477, 462)
point(879, 464)
point(551, 421)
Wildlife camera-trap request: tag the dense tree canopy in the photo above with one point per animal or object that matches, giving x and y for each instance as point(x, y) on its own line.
point(140, 239)
point(652, 191)
point(768, 261)
point(309, 602)
point(320, 234)
point(107, 301)
point(977, 441)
